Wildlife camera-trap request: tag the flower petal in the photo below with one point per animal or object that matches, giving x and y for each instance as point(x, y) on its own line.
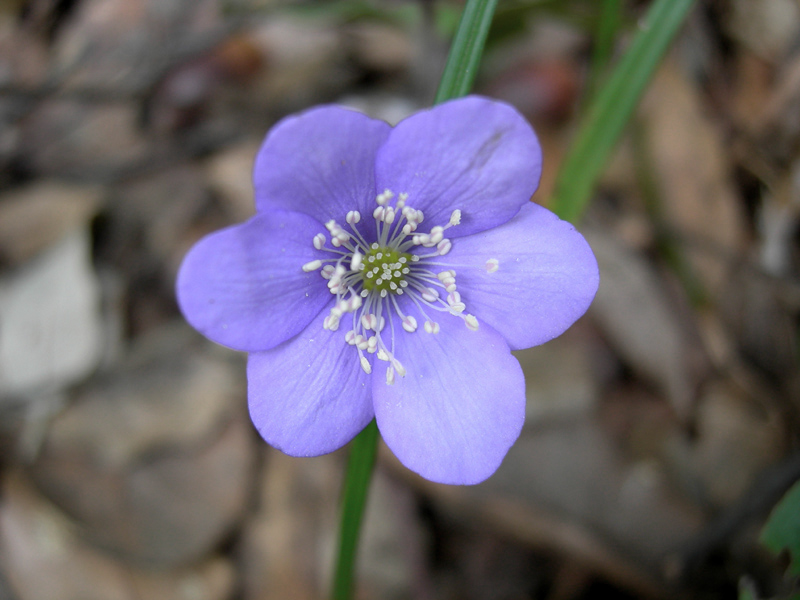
point(309, 396)
point(320, 162)
point(473, 154)
point(545, 280)
point(244, 286)
point(459, 408)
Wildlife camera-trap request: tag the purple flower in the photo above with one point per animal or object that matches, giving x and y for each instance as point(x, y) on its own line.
point(388, 273)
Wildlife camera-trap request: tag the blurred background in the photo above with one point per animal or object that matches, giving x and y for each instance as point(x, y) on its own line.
point(661, 428)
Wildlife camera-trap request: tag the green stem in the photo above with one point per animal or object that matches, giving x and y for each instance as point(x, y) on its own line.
point(459, 74)
point(356, 484)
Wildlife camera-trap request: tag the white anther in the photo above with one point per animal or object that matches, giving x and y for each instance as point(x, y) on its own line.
point(372, 344)
point(451, 287)
point(331, 225)
point(328, 271)
point(336, 241)
point(353, 217)
point(419, 239)
point(431, 327)
point(444, 247)
point(365, 365)
point(457, 308)
point(381, 324)
point(378, 213)
point(455, 218)
point(398, 366)
point(382, 355)
point(312, 265)
point(437, 235)
point(369, 321)
point(388, 216)
point(420, 216)
point(350, 337)
point(472, 322)
point(361, 342)
point(331, 322)
point(319, 241)
point(384, 197)
point(401, 199)
point(389, 376)
point(430, 295)
point(449, 273)
point(355, 262)
point(453, 298)
point(410, 324)
point(492, 265)
point(354, 303)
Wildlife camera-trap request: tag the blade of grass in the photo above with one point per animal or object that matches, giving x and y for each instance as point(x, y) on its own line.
point(466, 51)
point(613, 106)
point(606, 33)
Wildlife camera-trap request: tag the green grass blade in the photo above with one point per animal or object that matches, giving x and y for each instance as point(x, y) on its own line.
point(613, 106)
point(605, 37)
point(466, 51)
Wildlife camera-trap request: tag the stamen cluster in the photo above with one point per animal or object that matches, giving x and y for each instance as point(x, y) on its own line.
point(368, 277)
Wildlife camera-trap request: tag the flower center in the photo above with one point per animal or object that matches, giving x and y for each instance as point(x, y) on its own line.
point(385, 269)
point(370, 270)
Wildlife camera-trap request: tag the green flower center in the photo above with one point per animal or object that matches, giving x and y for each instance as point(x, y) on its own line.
point(385, 269)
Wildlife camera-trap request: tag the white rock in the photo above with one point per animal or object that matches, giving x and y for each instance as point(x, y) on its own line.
point(50, 327)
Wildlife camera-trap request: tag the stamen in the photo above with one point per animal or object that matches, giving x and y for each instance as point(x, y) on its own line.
point(365, 365)
point(312, 265)
point(398, 366)
point(355, 262)
point(492, 265)
point(431, 327)
point(371, 270)
point(410, 324)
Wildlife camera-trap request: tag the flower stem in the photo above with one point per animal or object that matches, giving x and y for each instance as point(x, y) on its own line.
point(459, 73)
point(356, 484)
